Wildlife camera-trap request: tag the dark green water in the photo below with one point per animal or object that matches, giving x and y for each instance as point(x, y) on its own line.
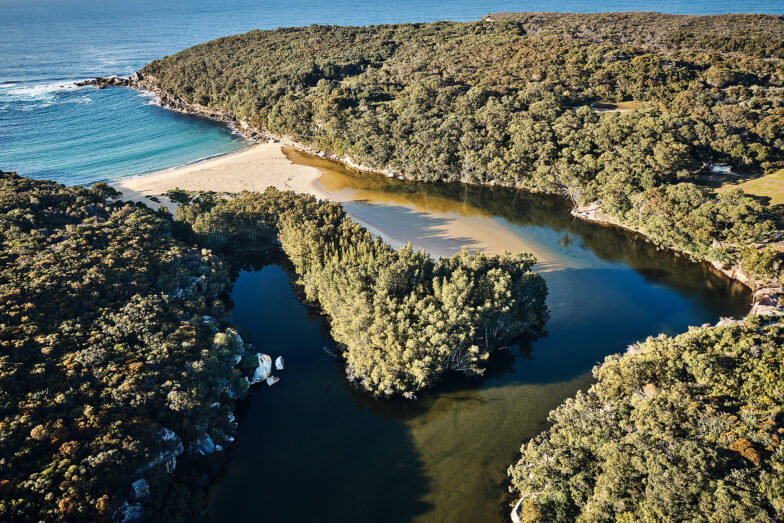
point(312, 447)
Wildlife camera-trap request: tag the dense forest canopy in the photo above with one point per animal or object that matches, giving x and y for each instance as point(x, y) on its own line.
point(118, 364)
point(107, 366)
point(509, 102)
point(752, 35)
point(402, 318)
point(682, 428)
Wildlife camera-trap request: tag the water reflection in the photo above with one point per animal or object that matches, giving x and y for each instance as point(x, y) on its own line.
point(315, 447)
point(303, 450)
point(424, 214)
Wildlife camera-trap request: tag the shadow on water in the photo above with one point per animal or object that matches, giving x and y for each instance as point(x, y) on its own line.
point(303, 451)
point(313, 446)
point(431, 230)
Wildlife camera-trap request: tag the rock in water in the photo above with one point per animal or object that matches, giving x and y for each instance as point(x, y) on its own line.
point(272, 380)
point(264, 369)
point(279, 363)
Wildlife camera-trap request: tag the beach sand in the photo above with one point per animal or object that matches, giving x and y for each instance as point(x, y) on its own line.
point(253, 169)
point(440, 226)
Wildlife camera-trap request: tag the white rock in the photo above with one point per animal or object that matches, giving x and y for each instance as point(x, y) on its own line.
point(264, 369)
point(516, 511)
point(272, 380)
point(203, 446)
point(279, 363)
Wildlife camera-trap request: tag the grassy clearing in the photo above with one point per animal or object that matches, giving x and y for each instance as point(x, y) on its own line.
point(770, 187)
point(621, 107)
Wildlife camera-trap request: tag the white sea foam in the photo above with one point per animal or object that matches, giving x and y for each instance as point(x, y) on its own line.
point(34, 93)
point(43, 105)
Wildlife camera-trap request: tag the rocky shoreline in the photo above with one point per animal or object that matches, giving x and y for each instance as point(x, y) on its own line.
point(766, 294)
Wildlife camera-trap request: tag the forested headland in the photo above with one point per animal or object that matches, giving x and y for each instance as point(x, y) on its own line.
point(677, 428)
point(115, 360)
point(119, 367)
point(509, 101)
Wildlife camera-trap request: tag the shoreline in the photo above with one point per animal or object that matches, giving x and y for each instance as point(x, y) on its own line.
point(765, 294)
point(182, 165)
point(253, 168)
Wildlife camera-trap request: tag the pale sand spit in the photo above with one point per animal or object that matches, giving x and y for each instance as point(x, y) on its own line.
point(253, 169)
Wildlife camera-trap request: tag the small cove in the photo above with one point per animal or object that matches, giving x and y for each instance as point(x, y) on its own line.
point(313, 446)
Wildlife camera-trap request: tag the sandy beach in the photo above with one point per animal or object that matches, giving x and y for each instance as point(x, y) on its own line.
point(253, 169)
point(440, 226)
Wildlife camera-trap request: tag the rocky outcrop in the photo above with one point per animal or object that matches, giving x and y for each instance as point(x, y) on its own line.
point(516, 511)
point(168, 457)
point(128, 513)
point(767, 299)
point(264, 370)
point(140, 489)
point(204, 445)
point(110, 81)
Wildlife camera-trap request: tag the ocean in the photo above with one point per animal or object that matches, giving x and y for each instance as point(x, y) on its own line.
point(51, 129)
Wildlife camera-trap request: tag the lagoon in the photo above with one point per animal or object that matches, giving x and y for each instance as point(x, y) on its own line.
point(313, 446)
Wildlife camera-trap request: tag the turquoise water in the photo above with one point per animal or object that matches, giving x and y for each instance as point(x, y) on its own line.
point(50, 129)
point(79, 136)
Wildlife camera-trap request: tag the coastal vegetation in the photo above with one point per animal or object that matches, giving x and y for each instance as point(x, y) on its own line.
point(108, 367)
point(509, 102)
point(117, 360)
point(119, 368)
point(677, 428)
point(402, 318)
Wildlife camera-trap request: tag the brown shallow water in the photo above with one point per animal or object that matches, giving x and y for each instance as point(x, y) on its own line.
point(313, 447)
